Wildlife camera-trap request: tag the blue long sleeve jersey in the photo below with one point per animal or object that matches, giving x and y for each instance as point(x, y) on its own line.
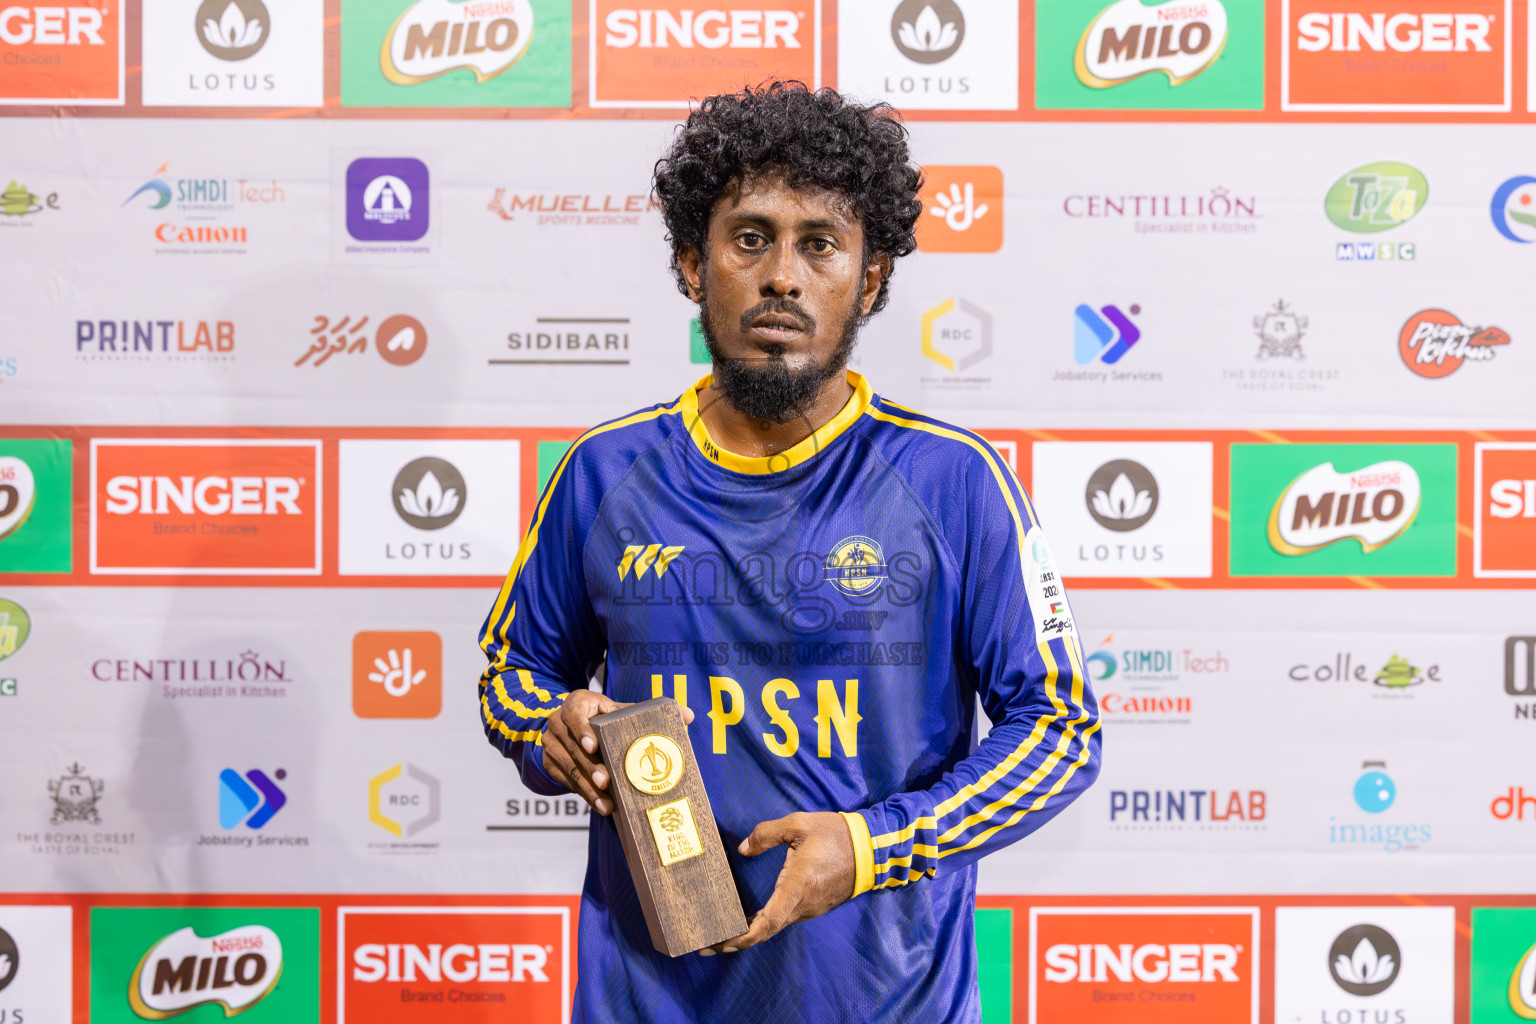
point(830, 614)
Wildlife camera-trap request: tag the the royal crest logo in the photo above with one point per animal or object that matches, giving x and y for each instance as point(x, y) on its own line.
point(236, 970)
point(1280, 331)
point(1129, 39)
point(75, 795)
point(1323, 506)
point(434, 37)
point(856, 566)
point(1434, 343)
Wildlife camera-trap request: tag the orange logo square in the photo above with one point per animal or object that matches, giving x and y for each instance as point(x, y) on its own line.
point(61, 54)
point(962, 209)
point(397, 674)
point(1505, 535)
point(676, 51)
point(1147, 965)
point(205, 507)
point(1399, 55)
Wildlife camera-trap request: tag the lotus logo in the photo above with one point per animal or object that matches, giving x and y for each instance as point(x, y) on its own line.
point(10, 959)
point(1122, 495)
point(928, 31)
point(232, 29)
point(429, 493)
point(1364, 960)
point(235, 970)
point(1323, 506)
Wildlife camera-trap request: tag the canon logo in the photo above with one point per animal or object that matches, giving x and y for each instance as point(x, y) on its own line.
point(1150, 963)
point(460, 962)
point(209, 495)
point(1405, 33)
point(51, 26)
point(711, 29)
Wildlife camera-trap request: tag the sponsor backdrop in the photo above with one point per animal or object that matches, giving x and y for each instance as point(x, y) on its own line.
point(304, 300)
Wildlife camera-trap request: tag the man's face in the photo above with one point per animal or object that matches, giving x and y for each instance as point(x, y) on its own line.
point(782, 286)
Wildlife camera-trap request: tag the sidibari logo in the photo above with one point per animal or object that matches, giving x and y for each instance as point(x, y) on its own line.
point(1514, 203)
point(235, 970)
point(1129, 39)
point(1434, 343)
point(1323, 506)
point(233, 29)
point(1376, 197)
point(434, 37)
point(1122, 495)
point(928, 31)
point(1364, 960)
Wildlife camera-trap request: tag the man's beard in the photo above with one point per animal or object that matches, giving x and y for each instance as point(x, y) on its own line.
point(764, 387)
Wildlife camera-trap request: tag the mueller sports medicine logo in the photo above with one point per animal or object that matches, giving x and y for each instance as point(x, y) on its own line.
point(434, 37)
point(62, 54)
point(1409, 55)
point(1504, 523)
point(234, 970)
point(572, 209)
point(200, 507)
point(1323, 506)
point(1434, 343)
point(1128, 39)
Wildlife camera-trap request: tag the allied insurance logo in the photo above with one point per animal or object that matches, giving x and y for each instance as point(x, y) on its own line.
point(186, 507)
point(677, 51)
point(62, 54)
point(1402, 55)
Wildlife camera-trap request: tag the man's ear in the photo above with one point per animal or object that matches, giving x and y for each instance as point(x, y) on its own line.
point(691, 264)
point(874, 276)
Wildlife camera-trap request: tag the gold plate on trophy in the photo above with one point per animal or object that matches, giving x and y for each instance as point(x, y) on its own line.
point(654, 764)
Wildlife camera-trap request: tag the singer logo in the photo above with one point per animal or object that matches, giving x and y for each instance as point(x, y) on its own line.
point(1406, 55)
point(1504, 530)
point(1324, 506)
point(962, 209)
point(467, 963)
point(234, 970)
point(666, 56)
point(59, 54)
point(191, 507)
point(1150, 965)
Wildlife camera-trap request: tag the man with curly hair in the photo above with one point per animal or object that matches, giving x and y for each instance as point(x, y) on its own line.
point(826, 582)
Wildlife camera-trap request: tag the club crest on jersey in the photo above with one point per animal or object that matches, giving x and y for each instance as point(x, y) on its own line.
point(856, 566)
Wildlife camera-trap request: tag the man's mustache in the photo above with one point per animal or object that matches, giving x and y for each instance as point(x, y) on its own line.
point(783, 305)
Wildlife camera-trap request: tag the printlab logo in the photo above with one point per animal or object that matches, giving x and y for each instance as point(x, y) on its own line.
point(232, 29)
point(1434, 343)
point(404, 800)
point(1364, 960)
point(1129, 39)
point(957, 335)
point(388, 199)
point(1280, 331)
point(1105, 334)
point(928, 31)
point(252, 799)
point(397, 674)
point(962, 209)
point(75, 795)
point(1371, 199)
point(1122, 495)
point(18, 202)
point(400, 340)
point(1514, 209)
point(429, 493)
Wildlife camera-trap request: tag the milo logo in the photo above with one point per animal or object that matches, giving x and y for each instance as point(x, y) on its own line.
point(236, 970)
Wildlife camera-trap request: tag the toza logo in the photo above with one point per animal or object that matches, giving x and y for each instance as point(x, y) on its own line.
point(15, 627)
point(1434, 343)
point(434, 37)
point(1280, 331)
point(1105, 334)
point(236, 970)
point(1122, 495)
point(429, 493)
point(928, 31)
point(1323, 506)
point(232, 29)
point(1376, 197)
point(1129, 39)
point(252, 799)
point(1364, 960)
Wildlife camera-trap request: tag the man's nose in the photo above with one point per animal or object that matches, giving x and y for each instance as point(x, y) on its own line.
point(781, 273)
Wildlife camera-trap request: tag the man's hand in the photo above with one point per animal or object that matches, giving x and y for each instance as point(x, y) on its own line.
point(818, 873)
point(570, 747)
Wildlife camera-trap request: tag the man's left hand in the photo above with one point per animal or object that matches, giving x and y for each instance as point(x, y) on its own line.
point(818, 873)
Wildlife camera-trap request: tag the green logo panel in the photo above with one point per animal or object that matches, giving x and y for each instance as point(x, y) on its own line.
point(37, 497)
point(122, 938)
point(1262, 473)
point(1503, 978)
point(455, 53)
point(1232, 80)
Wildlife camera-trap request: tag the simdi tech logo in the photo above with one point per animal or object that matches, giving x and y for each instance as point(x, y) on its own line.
point(455, 53)
point(154, 963)
point(1133, 55)
point(1402, 55)
point(931, 54)
point(471, 964)
point(62, 54)
point(184, 506)
point(962, 209)
point(1151, 965)
point(234, 53)
point(37, 501)
point(678, 51)
point(1343, 510)
point(1504, 504)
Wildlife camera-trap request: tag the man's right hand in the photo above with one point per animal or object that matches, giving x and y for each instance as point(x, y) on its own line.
point(570, 747)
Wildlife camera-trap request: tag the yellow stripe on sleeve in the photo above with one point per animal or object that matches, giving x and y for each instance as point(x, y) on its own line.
point(863, 853)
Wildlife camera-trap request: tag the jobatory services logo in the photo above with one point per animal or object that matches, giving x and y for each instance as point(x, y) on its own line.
point(251, 798)
point(956, 335)
point(389, 199)
point(399, 340)
point(1146, 964)
point(1408, 55)
point(466, 962)
point(1343, 510)
point(36, 963)
point(188, 506)
point(1338, 964)
point(1131, 55)
point(455, 53)
point(36, 505)
point(1502, 980)
point(62, 54)
point(1434, 343)
point(18, 204)
point(154, 963)
point(931, 54)
point(15, 628)
point(1375, 198)
point(568, 341)
point(1504, 504)
point(397, 674)
point(1104, 335)
point(1513, 209)
point(676, 52)
point(233, 53)
point(962, 209)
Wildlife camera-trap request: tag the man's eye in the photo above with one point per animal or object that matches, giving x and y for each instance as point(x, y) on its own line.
point(820, 246)
point(750, 239)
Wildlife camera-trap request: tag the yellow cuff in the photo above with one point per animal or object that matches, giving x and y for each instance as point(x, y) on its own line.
point(863, 852)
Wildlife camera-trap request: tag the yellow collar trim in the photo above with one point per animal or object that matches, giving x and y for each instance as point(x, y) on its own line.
point(788, 459)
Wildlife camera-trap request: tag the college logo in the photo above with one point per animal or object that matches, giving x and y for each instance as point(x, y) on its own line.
point(404, 800)
point(962, 209)
point(668, 56)
point(388, 199)
point(400, 340)
point(462, 961)
point(61, 54)
point(1365, 964)
point(251, 799)
point(1122, 495)
point(17, 201)
point(205, 507)
point(36, 505)
point(1434, 343)
point(1280, 331)
point(1504, 503)
point(1129, 39)
point(75, 795)
point(1514, 209)
point(1158, 960)
point(1340, 55)
point(232, 29)
point(931, 54)
point(1376, 197)
point(956, 334)
point(1343, 510)
point(1105, 334)
point(856, 566)
point(397, 674)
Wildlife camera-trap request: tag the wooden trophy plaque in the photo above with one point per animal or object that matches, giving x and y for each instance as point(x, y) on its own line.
point(668, 830)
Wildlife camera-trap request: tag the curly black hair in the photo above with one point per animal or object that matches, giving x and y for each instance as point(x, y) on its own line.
point(813, 139)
